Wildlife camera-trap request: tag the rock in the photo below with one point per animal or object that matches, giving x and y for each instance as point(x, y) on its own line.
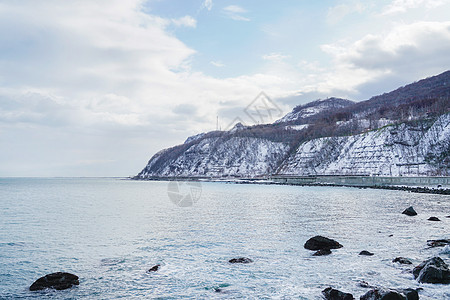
point(240, 260)
point(402, 260)
point(322, 252)
point(387, 294)
point(321, 243)
point(364, 284)
point(410, 211)
point(365, 252)
point(57, 281)
point(438, 243)
point(332, 294)
point(154, 268)
point(433, 219)
point(433, 270)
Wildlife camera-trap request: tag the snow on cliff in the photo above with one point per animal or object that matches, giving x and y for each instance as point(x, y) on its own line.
point(394, 150)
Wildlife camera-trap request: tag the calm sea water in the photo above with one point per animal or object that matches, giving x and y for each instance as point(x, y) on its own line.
point(110, 231)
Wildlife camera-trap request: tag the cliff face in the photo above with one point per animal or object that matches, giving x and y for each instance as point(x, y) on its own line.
point(402, 133)
point(394, 150)
point(220, 156)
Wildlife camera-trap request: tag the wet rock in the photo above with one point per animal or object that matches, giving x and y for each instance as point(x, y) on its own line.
point(365, 252)
point(333, 294)
point(321, 243)
point(433, 219)
point(402, 260)
point(322, 252)
point(438, 243)
point(410, 211)
point(57, 281)
point(365, 284)
point(240, 260)
point(154, 268)
point(388, 294)
point(433, 270)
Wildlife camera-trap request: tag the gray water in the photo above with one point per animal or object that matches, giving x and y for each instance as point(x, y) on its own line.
point(109, 232)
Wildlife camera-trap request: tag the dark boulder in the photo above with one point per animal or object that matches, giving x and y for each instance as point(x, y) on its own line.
point(154, 268)
point(332, 294)
point(321, 243)
point(365, 252)
point(57, 281)
point(322, 252)
point(240, 260)
point(433, 219)
point(410, 211)
point(402, 260)
point(387, 294)
point(438, 243)
point(433, 270)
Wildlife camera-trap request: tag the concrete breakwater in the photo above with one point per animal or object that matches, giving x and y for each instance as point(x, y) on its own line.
point(434, 182)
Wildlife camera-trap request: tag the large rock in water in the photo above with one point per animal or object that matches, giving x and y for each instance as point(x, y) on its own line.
point(410, 211)
point(57, 281)
point(240, 260)
point(438, 243)
point(433, 270)
point(386, 294)
point(321, 243)
point(332, 294)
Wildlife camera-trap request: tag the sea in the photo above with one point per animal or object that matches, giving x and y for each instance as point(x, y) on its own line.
point(111, 231)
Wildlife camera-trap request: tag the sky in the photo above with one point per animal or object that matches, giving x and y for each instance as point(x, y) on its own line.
point(95, 88)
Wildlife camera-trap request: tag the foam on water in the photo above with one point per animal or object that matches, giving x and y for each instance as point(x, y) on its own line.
point(109, 232)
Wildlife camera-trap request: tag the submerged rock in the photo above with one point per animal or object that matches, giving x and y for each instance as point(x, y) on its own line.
point(433, 219)
point(438, 243)
point(240, 260)
point(57, 281)
point(433, 270)
point(388, 294)
point(365, 252)
point(322, 252)
point(154, 268)
point(321, 243)
point(402, 260)
point(333, 294)
point(410, 211)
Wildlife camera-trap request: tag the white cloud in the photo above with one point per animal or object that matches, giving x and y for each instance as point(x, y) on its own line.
point(208, 4)
point(218, 64)
point(405, 51)
point(235, 12)
point(186, 21)
point(274, 57)
point(401, 6)
point(340, 11)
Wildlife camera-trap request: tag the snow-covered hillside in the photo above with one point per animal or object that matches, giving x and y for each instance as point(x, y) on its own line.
point(220, 156)
point(405, 132)
point(303, 112)
point(405, 149)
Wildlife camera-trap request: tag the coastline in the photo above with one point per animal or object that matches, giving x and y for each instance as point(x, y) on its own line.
point(360, 182)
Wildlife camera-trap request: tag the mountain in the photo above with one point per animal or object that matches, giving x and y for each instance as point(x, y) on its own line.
point(405, 132)
point(303, 113)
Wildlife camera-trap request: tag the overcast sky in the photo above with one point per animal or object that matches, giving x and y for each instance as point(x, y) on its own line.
point(95, 88)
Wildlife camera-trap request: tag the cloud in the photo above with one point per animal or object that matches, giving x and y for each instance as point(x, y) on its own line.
point(235, 12)
point(401, 6)
point(340, 11)
point(274, 57)
point(208, 4)
point(218, 64)
point(405, 51)
point(186, 21)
